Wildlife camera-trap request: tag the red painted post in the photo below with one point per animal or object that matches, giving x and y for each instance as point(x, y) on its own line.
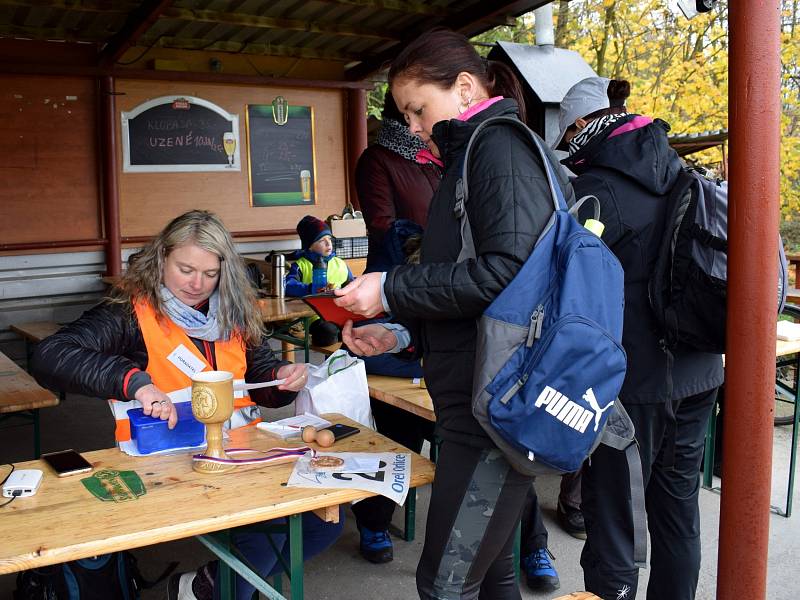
point(754, 123)
point(108, 163)
point(356, 137)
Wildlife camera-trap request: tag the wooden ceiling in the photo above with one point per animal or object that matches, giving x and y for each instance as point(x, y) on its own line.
point(361, 34)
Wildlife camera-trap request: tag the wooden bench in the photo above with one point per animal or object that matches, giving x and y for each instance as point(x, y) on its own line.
point(34, 332)
point(21, 396)
point(327, 350)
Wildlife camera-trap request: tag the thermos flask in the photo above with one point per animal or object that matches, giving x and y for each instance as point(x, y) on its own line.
point(278, 284)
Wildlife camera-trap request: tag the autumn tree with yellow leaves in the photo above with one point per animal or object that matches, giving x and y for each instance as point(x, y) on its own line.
point(678, 68)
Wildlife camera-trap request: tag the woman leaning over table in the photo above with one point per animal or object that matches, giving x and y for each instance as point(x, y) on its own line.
point(445, 90)
point(187, 293)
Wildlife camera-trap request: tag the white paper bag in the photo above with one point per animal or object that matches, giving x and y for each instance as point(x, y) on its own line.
point(339, 385)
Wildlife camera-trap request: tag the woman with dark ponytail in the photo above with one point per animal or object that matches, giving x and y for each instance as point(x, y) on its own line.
point(626, 162)
point(445, 90)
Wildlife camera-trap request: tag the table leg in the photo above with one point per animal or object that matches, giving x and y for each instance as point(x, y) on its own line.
point(708, 458)
point(793, 458)
point(307, 338)
point(296, 556)
point(227, 579)
point(288, 350)
point(37, 450)
point(517, 551)
point(411, 515)
point(220, 544)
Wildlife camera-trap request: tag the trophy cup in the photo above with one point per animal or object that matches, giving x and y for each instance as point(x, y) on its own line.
point(212, 404)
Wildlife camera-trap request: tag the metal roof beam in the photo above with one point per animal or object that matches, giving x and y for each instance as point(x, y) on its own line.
point(470, 22)
point(104, 6)
point(408, 8)
point(246, 20)
point(137, 24)
point(253, 48)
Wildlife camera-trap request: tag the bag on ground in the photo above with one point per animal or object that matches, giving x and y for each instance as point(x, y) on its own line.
point(112, 576)
point(339, 385)
point(688, 287)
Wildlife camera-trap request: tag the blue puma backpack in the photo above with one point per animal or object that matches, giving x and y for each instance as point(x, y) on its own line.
point(549, 359)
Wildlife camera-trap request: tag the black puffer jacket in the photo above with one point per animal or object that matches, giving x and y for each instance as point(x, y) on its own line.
point(97, 354)
point(441, 300)
point(631, 174)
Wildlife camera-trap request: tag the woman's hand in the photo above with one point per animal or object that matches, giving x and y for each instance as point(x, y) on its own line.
point(362, 295)
point(368, 340)
point(296, 376)
point(157, 404)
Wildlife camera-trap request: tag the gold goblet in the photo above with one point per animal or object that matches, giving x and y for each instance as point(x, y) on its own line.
point(212, 404)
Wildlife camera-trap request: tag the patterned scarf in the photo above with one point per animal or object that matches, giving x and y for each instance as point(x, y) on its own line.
point(592, 129)
point(194, 323)
point(397, 137)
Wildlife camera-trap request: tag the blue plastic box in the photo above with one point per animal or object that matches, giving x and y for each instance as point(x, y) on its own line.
point(153, 435)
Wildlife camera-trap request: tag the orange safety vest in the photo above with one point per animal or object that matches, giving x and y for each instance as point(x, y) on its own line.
point(161, 338)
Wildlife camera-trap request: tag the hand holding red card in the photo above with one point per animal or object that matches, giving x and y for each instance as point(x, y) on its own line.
point(323, 304)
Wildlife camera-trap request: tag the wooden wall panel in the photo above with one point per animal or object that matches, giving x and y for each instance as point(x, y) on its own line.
point(149, 200)
point(48, 158)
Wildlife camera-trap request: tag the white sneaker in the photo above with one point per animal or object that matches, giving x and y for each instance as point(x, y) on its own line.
point(180, 586)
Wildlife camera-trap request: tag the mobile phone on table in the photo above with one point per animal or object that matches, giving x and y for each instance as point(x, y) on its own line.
point(342, 431)
point(67, 462)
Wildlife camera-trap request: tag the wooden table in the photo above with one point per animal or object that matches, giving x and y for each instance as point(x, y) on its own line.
point(282, 314)
point(63, 521)
point(786, 353)
point(402, 393)
point(21, 396)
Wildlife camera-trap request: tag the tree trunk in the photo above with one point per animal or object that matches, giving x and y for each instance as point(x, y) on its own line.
point(561, 23)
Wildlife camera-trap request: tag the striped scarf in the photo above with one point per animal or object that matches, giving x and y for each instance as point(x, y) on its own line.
point(592, 129)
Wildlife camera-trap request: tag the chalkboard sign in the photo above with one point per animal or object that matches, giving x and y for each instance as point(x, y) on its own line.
point(281, 155)
point(180, 133)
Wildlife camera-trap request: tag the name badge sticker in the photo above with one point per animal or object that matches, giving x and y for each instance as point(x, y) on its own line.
point(187, 363)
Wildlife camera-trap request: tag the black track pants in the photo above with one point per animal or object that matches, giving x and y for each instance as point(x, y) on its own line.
point(476, 503)
point(673, 515)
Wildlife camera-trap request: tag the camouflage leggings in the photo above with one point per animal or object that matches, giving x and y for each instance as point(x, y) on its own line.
point(476, 503)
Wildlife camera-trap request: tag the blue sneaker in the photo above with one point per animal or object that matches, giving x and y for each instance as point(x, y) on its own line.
point(539, 571)
point(376, 546)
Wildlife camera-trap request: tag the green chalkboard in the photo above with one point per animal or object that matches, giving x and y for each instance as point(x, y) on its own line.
point(281, 157)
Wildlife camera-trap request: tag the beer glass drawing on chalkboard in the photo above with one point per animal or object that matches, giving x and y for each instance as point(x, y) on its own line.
point(281, 157)
point(229, 144)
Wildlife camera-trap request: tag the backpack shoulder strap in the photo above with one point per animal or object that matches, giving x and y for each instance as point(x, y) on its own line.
point(462, 187)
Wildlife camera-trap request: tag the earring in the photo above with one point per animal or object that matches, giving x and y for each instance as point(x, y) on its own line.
point(461, 111)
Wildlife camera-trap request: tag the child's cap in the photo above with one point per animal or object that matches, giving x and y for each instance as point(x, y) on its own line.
point(310, 229)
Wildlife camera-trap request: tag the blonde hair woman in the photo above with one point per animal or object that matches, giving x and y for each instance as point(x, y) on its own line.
point(186, 296)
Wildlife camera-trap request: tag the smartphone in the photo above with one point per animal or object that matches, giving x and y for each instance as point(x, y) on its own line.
point(342, 431)
point(67, 462)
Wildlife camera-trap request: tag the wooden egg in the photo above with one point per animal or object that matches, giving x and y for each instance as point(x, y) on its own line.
point(309, 433)
point(325, 438)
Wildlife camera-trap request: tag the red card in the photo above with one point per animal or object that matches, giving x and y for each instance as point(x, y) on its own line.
point(323, 305)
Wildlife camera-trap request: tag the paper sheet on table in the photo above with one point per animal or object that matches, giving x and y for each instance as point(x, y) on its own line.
point(391, 479)
point(788, 331)
point(292, 426)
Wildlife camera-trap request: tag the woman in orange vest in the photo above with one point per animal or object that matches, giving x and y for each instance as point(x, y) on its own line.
point(184, 305)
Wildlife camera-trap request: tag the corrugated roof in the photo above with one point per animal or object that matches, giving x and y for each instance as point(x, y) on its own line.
point(362, 33)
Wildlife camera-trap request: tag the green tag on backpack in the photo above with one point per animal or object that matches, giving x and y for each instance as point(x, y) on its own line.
point(115, 486)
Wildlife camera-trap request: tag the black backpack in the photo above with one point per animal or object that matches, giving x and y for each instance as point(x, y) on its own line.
point(112, 576)
point(688, 287)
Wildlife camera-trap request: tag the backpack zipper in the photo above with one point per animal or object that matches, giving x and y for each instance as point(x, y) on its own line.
point(535, 328)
